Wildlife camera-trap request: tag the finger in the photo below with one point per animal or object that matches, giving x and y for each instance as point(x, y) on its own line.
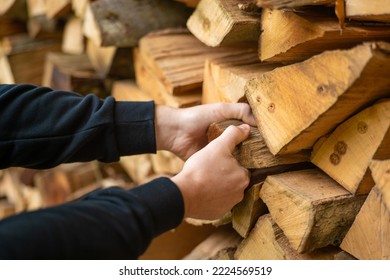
point(240, 111)
point(233, 135)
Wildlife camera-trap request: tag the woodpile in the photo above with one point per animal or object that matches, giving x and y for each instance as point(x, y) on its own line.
point(315, 73)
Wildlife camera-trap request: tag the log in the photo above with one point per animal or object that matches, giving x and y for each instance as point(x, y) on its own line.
point(246, 212)
point(10, 26)
point(313, 210)
point(177, 58)
point(149, 83)
point(291, 37)
point(127, 90)
point(347, 153)
point(253, 153)
point(292, 114)
point(280, 4)
point(221, 22)
point(6, 209)
point(79, 7)
point(369, 235)
point(190, 3)
point(225, 78)
point(58, 8)
point(267, 242)
point(73, 73)
point(138, 167)
point(166, 163)
point(223, 239)
point(122, 23)
point(111, 61)
point(16, 9)
point(373, 10)
point(6, 76)
point(73, 39)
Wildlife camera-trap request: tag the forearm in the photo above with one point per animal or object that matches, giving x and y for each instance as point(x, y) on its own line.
point(41, 128)
point(108, 224)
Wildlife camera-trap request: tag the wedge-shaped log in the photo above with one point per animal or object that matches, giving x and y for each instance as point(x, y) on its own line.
point(222, 22)
point(312, 209)
point(373, 10)
point(267, 242)
point(225, 78)
point(347, 153)
point(290, 37)
point(253, 153)
point(122, 23)
point(297, 104)
point(369, 235)
point(278, 4)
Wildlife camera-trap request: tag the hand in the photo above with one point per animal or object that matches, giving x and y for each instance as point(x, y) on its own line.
point(184, 131)
point(212, 181)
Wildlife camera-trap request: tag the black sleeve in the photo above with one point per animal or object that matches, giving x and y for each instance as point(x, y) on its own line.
point(107, 224)
point(41, 128)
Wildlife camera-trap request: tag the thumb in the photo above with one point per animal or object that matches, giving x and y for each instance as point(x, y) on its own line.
point(234, 135)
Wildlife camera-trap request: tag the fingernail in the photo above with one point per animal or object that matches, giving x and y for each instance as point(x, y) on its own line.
point(244, 127)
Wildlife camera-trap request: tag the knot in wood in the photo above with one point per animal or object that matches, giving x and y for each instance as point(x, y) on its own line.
point(334, 159)
point(271, 107)
point(341, 148)
point(362, 127)
point(322, 89)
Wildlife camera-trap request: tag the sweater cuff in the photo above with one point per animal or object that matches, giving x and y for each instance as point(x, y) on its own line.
point(134, 126)
point(165, 203)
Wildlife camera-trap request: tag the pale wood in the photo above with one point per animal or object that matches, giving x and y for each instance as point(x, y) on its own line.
point(6, 76)
point(290, 37)
point(347, 153)
point(225, 78)
point(6, 209)
point(139, 167)
point(369, 235)
point(373, 10)
point(13, 8)
point(319, 94)
point(122, 23)
point(221, 22)
point(58, 8)
point(73, 39)
point(127, 90)
point(149, 83)
point(380, 170)
point(278, 4)
point(177, 58)
point(253, 152)
point(224, 238)
point(111, 61)
point(79, 7)
point(36, 8)
point(190, 3)
point(246, 212)
point(313, 210)
point(165, 162)
point(267, 242)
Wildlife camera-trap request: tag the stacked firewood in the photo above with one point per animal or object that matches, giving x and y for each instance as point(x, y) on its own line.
point(315, 74)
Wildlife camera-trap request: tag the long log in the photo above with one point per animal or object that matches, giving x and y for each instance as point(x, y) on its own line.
point(373, 10)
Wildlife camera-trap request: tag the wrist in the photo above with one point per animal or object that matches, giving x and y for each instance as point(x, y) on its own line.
point(166, 126)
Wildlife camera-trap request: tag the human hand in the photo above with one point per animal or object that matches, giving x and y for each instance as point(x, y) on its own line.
point(184, 131)
point(212, 181)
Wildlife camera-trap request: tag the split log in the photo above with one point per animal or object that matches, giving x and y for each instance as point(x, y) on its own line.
point(347, 153)
point(122, 23)
point(138, 167)
point(225, 78)
point(267, 242)
point(369, 235)
point(279, 4)
point(290, 37)
point(253, 153)
point(6, 76)
point(15, 9)
point(373, 10)
point(318, 95)
point(111, 61)
point(73, 73)
point(223, 239)
point(312, 209)
point(10, 26)
point(58, 8)
point(73, 39)
point(221, 22)
point(149, 83)
point(127, 90)
point(6, 209)
point(79, 7)
point(166, 163)
point(177, 58)
point(190, 3)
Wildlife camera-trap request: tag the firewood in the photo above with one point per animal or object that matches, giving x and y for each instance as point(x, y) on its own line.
point(312, 209)
point(149, 83)
point(222, 22)
point(267, 242)
point(79, 7)
point(73, 38)
point(253, 153)
point(127, 90)
point(373, 10)
point(6, 209)
point(225, 78)
point(58, 8)
point(15, 9)
point(369, 235)
point(138, 167)
point(224, 238)
point(111, 61)
point(6, 76)
point(73, 73)
point(290, 37)
point(190, 3)
point(122, 23)
point(165, 162)
point(178, 58)
point(318, 95)
point(347, 153)
point(10, 26)
point(278, 4)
